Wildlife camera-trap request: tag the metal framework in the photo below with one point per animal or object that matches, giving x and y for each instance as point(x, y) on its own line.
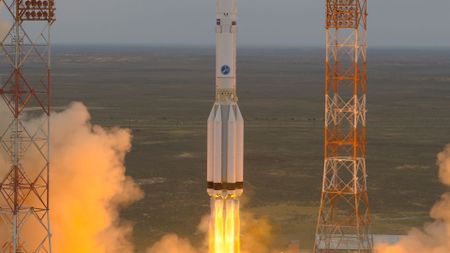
point(344, 217)
point(25, 128)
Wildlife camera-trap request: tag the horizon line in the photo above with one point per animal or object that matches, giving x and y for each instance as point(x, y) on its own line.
point(242, 46)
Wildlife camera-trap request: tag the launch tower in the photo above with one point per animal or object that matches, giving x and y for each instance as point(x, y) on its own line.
point(24, 128)
point(344, 217)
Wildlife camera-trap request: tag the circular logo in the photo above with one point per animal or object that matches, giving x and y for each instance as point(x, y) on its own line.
point(225, 70)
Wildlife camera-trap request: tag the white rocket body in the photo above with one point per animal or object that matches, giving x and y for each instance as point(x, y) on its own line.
point(225, 123)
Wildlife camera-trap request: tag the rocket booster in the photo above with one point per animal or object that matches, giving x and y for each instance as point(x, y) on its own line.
point(225, 123)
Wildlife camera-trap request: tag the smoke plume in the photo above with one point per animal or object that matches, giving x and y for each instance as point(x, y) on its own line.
point(434, 237)
point(256, 237)
point(256, 234)
point(88, 184)
point(172, 244)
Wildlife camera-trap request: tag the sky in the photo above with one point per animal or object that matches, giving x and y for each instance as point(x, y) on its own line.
point(280, 23)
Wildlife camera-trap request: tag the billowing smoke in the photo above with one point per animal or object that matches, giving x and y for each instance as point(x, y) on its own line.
point(256, 237)
point(172, 244)
point(256, 234)
point(434, 237)
point(88, 184)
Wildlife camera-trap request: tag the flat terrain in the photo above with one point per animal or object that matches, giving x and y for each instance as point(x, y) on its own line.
point(165, 94)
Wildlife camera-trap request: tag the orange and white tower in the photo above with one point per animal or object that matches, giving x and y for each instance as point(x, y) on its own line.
point(25, 78)
point(344, 217)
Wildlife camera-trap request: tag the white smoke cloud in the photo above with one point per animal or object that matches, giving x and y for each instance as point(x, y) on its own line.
point(88, 183)
point(172, 244)
point(256, 237)
point(434, 237)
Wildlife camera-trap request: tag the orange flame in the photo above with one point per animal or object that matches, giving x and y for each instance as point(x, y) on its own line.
point(224, 232)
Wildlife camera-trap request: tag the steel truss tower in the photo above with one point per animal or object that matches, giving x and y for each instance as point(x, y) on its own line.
point(344, 217)
point(24, 127)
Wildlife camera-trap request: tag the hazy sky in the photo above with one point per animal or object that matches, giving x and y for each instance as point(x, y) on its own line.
point(392, 23)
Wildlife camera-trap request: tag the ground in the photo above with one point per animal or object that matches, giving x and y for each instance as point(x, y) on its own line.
point(165, 94)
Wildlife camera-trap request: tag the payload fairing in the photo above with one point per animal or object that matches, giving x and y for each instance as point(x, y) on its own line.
point(225, 161)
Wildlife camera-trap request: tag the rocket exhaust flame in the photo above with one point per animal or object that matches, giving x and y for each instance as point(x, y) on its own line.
point(224, 230)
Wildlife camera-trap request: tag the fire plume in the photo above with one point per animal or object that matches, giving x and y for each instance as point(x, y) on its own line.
point(224, 230)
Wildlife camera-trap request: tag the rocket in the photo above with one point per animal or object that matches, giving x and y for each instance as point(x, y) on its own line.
point(225, 161)
point(225, 151)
